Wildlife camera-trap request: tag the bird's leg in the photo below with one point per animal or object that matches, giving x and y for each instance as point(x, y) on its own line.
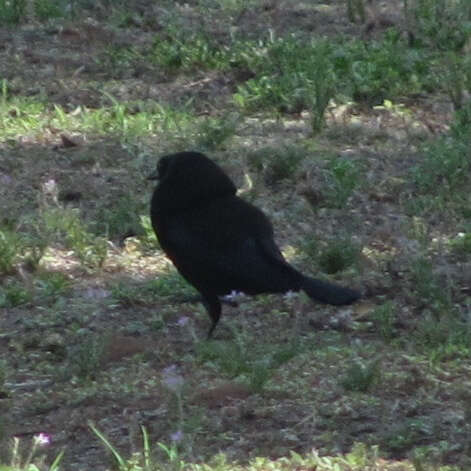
point(213, 306)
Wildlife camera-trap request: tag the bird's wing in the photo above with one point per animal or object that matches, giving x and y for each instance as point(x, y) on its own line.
point(226, 247)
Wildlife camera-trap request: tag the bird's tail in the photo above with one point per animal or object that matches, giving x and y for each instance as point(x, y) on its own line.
point(329, 293)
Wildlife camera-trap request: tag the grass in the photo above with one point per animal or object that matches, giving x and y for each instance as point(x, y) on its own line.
point(338, 255)
point(462, 244)
point(34, 117)
point(440, 24)
point(384, 317)
point(360, 377)
point(254, 365)
point(215, 133)
point(446, 167)
point(344, 176)
point(65, 224)
point(95, 326)
point(276, 164)
point(361, 456)
point(20, 461)
point(14, 294)
point(9, 250)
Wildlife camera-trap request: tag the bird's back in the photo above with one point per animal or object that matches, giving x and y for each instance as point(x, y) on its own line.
point(223, 245)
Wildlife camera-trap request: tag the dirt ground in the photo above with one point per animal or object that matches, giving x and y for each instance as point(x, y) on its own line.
point(104, 322)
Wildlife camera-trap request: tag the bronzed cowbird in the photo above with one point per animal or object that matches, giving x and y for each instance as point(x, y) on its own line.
point(220, 243)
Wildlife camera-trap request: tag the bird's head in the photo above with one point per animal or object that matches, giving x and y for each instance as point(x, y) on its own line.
point(185, 178)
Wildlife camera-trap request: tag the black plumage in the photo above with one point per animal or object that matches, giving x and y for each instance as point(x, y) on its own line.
point(220, 243)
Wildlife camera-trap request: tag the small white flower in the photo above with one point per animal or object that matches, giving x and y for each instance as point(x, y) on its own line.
point(183, 321)
point(50, 186)
point(290, 295)
point(234, 295)
point(172, 379)
point(177, 436)
point(43, 439)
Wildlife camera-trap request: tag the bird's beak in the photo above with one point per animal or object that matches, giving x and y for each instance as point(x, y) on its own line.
point(153, 176)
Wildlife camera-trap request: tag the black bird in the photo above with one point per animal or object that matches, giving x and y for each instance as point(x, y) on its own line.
point(219, 242)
